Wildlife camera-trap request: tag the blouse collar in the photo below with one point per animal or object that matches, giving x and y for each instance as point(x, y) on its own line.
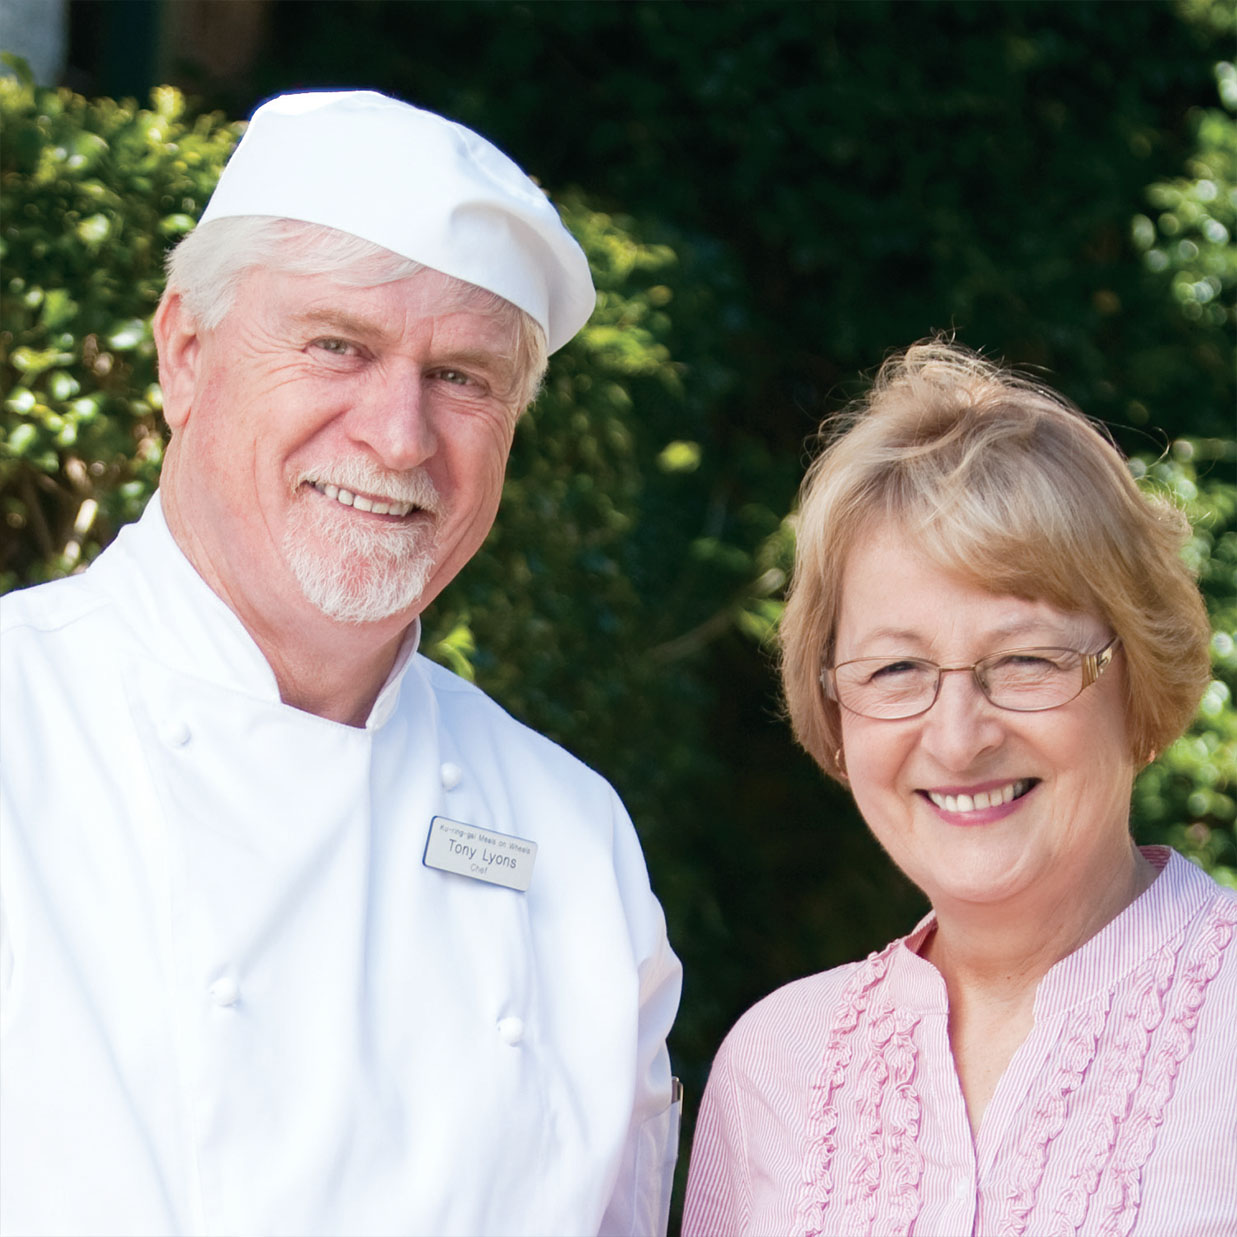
point(1160, 912)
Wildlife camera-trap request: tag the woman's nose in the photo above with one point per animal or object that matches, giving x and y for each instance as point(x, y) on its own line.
point(963, 724)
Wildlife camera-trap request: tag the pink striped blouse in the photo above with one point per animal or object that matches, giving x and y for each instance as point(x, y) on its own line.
point(833, 1106)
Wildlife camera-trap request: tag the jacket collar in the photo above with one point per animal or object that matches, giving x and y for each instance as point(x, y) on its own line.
point(186, 626)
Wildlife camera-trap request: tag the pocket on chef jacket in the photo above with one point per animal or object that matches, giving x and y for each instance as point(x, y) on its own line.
point(657, 1152)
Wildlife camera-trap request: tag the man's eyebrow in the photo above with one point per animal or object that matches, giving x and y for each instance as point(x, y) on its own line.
point(355, 324)
point(501, 366)
point(337, 319)
point(476, 358)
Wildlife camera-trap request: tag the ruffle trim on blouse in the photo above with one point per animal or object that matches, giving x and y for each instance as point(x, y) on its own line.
point(1121, 1069)
point(1138, 1061)
point(883, 1182)
point(1136, 1138)
point(1048, 1117)
point(1137, 1070)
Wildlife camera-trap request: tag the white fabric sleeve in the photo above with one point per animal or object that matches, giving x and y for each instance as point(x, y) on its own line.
point(640, 1203)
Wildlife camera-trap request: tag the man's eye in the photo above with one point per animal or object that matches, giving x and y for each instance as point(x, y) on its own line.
point(337, 347)
point(456, 377)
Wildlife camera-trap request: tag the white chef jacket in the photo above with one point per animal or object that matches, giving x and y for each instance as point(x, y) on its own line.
point(236, 1000)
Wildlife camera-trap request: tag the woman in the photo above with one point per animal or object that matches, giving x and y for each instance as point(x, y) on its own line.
point(989, 632)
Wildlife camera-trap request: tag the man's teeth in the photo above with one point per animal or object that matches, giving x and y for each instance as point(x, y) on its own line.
point(360, 502)
point(983, 799)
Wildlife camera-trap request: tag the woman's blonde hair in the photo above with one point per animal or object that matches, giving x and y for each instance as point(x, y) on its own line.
point(1003, 482)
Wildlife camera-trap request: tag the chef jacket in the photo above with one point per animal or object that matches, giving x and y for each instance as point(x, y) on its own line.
point(235, 998)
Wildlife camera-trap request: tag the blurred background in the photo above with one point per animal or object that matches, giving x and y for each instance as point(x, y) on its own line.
point(773, 196)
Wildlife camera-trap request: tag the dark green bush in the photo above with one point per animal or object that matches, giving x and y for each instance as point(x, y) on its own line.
point(91, 195)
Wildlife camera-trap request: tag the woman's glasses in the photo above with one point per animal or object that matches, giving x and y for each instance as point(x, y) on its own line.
point(1024, 680)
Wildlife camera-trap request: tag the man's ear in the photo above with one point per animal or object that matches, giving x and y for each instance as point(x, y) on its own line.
point(179, 341)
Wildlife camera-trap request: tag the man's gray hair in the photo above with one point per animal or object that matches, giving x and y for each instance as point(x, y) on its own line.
point(206, 268)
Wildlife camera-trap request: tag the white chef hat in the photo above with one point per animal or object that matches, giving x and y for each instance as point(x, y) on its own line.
point(416, 184)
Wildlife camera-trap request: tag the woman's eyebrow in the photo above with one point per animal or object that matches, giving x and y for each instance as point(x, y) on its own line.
point(902, 635)
point(1039, 629)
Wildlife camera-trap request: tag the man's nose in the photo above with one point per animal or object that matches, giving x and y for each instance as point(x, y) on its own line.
point(395, 420)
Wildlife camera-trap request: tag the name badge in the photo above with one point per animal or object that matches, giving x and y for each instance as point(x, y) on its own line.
point(499, 858)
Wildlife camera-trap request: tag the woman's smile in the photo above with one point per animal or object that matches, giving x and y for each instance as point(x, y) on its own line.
point(980, 804)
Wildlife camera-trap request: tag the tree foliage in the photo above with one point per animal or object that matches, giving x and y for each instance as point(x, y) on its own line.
point(1186, 798)
point(92, 194)
point(878, 170)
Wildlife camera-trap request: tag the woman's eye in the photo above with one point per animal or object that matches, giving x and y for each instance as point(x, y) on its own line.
point(1027, 661)
point(893, 669)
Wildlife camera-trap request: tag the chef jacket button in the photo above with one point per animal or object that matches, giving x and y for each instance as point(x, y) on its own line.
point(511, 1030)
point(225, 991)
point(176, 733)
point(451, 775)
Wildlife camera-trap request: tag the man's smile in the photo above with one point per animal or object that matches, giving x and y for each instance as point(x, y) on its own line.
point(362, 502)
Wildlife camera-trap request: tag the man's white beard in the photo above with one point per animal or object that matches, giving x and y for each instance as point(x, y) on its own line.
point(356, 570)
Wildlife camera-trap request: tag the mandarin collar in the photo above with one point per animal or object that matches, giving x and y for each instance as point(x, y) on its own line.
point(1160, 912)
point(1157, 915)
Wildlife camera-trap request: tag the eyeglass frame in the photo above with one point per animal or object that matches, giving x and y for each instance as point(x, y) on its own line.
point(1093, 665)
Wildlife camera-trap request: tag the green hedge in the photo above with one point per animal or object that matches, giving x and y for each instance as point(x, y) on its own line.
point(91, 194)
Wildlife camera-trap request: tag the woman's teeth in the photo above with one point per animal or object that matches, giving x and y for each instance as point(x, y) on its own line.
point(360, 502)
point(982, 799)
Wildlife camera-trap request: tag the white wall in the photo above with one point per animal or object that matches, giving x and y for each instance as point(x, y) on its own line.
point(36, 30)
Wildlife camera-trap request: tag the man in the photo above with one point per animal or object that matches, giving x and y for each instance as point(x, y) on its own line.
point(302, 933)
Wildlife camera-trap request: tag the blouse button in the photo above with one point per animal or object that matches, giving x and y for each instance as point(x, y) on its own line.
point(176, 733)
point(451, 775)
point(511, 1030)
point(225, 991)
